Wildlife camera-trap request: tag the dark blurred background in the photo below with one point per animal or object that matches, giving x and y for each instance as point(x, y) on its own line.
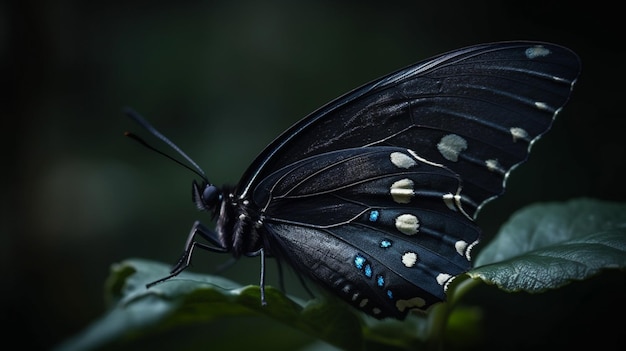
point(222, 79)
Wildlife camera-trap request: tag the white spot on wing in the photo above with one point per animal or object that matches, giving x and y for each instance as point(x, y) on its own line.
point(407, 224)
point(402, 305)
point(537, 51)
point(518, 133)
point(450, 146)
point(401, 160)
point(460, 247)
point(363, 303)
point(442, 278)
point(409, 259)
point(402, 191)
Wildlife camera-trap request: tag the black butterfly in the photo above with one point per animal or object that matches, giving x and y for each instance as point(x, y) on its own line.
point(374, 195)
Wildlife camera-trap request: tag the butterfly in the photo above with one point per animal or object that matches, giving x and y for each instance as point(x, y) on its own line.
point(373, 196)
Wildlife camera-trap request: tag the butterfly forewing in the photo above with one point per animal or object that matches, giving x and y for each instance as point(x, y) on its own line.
point(475, 110)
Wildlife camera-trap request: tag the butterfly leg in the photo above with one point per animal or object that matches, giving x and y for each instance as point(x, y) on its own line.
point(260, 252)
point(185, 259)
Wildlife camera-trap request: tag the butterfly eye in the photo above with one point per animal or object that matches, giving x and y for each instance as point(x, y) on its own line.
point(210, 195)
point(205, 196)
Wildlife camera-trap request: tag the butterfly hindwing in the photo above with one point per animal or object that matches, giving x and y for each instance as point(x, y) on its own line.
point(377, 271)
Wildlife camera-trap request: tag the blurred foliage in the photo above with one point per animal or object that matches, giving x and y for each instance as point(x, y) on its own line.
point(223, 78)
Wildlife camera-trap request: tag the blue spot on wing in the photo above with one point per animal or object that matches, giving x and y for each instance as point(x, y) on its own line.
point(385, 244)
point(359, 261)
point(368, 271)
point(374, 216)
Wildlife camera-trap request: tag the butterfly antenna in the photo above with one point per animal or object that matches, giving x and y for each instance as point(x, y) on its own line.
point(147, 126)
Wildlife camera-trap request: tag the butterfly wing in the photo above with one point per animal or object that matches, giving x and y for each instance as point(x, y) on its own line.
point(369, 225)
point(373, 195)
point(475, 110)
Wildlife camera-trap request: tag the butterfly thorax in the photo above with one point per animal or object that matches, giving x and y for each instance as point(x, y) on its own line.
point(236, 225)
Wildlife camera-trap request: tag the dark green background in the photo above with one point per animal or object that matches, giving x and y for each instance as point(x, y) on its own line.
point(222, 79)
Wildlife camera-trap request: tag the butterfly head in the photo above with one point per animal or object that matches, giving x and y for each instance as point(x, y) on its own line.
point(206, 196)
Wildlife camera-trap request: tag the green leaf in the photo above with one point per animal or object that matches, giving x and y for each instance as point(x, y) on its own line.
point(192, 298)
point(139, 317)
point(546, 246)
